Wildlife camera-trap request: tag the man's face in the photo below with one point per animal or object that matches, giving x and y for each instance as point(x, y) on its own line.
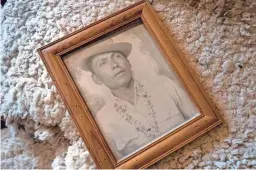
point(111, 69)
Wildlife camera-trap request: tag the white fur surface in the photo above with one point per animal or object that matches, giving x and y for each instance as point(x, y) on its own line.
point(217, 36)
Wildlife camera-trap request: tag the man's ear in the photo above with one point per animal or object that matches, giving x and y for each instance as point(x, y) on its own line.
point(96, 79)
point(130, 64)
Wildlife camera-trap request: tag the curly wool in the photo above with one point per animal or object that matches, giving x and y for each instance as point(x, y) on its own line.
point(217, 37)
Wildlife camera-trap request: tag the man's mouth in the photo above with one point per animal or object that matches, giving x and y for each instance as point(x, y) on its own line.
point(118, 73)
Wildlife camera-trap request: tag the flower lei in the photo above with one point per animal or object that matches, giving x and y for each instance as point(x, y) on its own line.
point(153, 130)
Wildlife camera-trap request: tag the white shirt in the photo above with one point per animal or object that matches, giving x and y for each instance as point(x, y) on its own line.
point(160, 105)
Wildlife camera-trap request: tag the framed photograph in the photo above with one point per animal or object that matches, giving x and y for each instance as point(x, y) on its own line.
point(128, 89)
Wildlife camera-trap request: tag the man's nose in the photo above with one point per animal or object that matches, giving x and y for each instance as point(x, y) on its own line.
point(114, 64)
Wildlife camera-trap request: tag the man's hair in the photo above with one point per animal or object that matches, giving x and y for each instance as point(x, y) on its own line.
point(89, 63)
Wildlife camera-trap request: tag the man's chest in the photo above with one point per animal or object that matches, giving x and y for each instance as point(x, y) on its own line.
point(150, 108)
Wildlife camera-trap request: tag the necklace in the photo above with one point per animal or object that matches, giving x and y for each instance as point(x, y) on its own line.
point(126, 115)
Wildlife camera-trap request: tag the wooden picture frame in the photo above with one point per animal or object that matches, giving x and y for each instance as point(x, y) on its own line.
point(52, 53)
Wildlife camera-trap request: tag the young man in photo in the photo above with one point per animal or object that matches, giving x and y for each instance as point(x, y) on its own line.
point(140, 109)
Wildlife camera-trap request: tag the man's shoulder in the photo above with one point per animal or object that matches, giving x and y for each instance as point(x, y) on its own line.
point(156, 80)
point(106, 112)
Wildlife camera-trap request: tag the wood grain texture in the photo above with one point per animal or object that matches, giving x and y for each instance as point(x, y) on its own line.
point(77, 107)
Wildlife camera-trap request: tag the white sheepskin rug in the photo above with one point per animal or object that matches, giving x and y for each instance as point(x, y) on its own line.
point(217, 36)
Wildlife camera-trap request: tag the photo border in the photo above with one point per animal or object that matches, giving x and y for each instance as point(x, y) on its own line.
point(102, 155)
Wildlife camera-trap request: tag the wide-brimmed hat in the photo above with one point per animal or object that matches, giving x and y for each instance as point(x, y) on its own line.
point(123, 47)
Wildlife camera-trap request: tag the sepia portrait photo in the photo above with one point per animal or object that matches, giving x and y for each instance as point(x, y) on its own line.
point(132, 92)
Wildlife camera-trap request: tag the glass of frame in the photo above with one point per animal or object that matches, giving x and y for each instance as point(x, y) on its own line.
point(133, 95)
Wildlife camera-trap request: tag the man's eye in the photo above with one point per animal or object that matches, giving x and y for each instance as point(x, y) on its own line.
point(102, 63)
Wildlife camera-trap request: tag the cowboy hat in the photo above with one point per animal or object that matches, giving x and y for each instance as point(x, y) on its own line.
point(123, 47)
